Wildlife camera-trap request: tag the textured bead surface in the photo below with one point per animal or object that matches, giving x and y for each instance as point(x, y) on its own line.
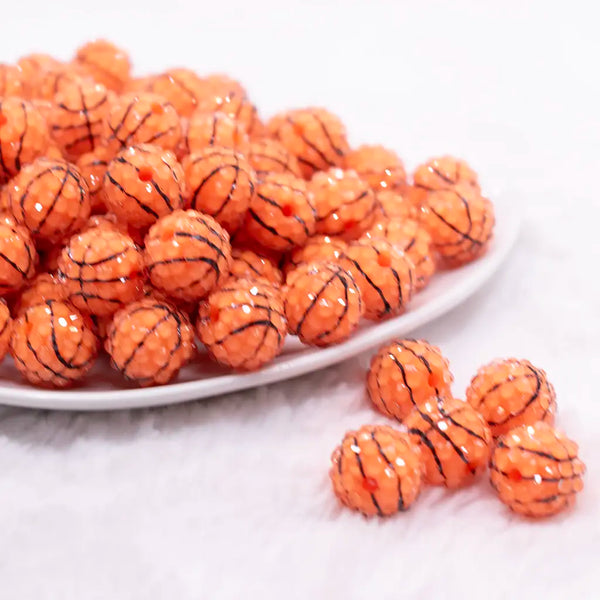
point(247, 264)
point(511, 392)
point(376, 470)
point(270, 156)
point(23, 136)
point(92, 166)
point(102, 269)
point(392, 205)
point(187, 254)
point(181, 87)
point(535, 470)
point(386, 277)
point(281, 215)
point(242, 324)
point(50, 198)
point(76, 119)
point(412, 239)
point(105, 63)
point(345, 204)
point(454, 438)
point(380, 167)
point(205, 129)
point(142, 118)
point(42, 287)
point(149, 341)
point(33, 66)
point(52, 344)
point(316, 137)
point(18, 257)
point(322, 304)
point(460, 221)
point(12, 81)
point(143, 183)
point(405, 373)
point(443, 173)
point(5, 329)
point(318, 248)
point(220, 183)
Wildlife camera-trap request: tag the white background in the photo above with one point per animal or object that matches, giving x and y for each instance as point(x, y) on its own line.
point(229, 498)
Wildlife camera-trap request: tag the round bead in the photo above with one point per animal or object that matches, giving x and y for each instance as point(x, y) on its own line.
point(281, 215)
point(102, 269)
point(55, 77)
point(376, 470)
point(105, 63)
point(386, 278)
point(405, 373)
point(181, 87)
point(443, 173)
point(511, 392)
point(18, 257)
point(187, 254)
point(205, 129)
point(44, 286)
point(322, 304)
point(392, 205)
point(242, 324)
point(23, 136)
point(318, 248)
point(92, 166)
point(314, 136)
point(247, 264)
point(535, 470)
point(50, 197)
point(270, 156)
point(52, 344)
point(33, 66)
point(454, 438)
point(460, 221)
point(12, 81)
point(141, 118)
point(381, 168)
point(220, 184)
point(5, 329)
point(345, 204)
point(149, 341)
point(143, 183)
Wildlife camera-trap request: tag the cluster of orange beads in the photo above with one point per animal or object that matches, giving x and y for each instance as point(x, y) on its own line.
point(506, 424)
point(160, 213)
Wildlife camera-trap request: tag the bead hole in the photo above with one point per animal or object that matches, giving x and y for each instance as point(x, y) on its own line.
point(157, 108)
point(384, 259)
point(145, 174)
point(214, 314)
point(287, 210)
point(3, 119)
point(515, 475)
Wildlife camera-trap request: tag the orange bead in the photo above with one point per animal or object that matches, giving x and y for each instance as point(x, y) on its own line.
point(105, 63)
point(50, 198)
point(381, 168)
point(512, 392)
point(281, 215)
point(101, 269)
point(376, 470)
point(392, 205)
point(242, 324)
point(92, 166)
point(44, 286)
point(33, 66)
point(23, 136)
point(405, 373)
point(108, 220)
point(318, 248)
point(345, 204)
point(52, 344)
point(409, 237)
point(386, 278)
point(12, 81)
point(5, 329)
point(455, 440)
point(221, 184)
point(246, 264)
point(269, 156)
point(54, 78)
point(443, 173)
point(143, 183)
point(187, 254)
point(18, 257)
point(535, 470)
point(149, 341)
point(76, 120)
point(181, 87)
point(205, 129)
point(461, 223)
point(142, 118)
point(322, 304)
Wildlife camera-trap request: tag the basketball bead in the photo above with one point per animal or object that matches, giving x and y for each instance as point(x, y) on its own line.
point(242, 324)
point(512, 392)
point(322, 304)
point(105, 63)
point(187, 254)
point(318, 248)
point(535, 470)
point(396, 206)
point(221, 184)
point(381, 168)
point(53, 345)
point(149, 341)
point(57, 77)
point(455, 440)
point(376, 470)
point(18, 256)
point(270, 156)
point(444, 172)
point(33, 66)
point(42, 287)
point(181, 87)
point(101, 270)
point(206, 129)
point(143, 183)
point(405, 373)
point(92, 166)
point(50, 198)
point(247, 264)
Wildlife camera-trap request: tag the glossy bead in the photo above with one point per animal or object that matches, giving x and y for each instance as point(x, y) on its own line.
point(380, 167)
point(18, 256)
point(376, 470)
point(512, 392)
point(105, 63)
point(454, 439)
point(247, 264)
point(92, 166)
point(395, 206)
point(206, 129)
point(405, 373)
point(318, 248)
point(181, 87)
point(270, 156)
point(44, 286)
point(535, 470)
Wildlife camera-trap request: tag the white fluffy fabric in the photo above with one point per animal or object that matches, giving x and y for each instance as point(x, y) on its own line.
point(229, 497)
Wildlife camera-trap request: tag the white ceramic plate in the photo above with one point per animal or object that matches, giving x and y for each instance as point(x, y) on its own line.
point(104, 389)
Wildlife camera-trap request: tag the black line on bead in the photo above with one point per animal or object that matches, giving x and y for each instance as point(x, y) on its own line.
point(362, 471)
point(401, 505)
